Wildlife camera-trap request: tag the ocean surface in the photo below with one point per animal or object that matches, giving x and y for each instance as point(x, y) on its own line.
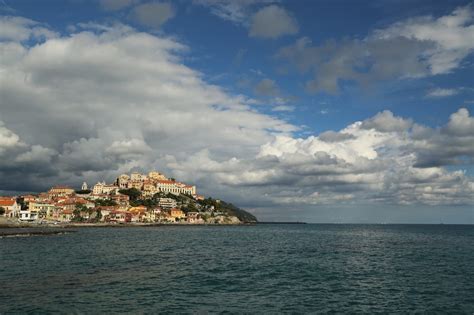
point(242, 269)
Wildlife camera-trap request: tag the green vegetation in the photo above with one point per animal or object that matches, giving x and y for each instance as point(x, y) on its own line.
point(83, 191)
point(77, 217)
point(190, 207)
point(105, 202)
point(149, 203)
point(243, 215)
point(2, 210)
point(133, 193)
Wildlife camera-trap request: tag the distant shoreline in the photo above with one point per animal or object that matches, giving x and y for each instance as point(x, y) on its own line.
point(290, 222)
point(108, 225)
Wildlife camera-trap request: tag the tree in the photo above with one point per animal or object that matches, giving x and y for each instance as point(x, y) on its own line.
point(99, 215)
point(83, 191)
point(2, 210)
point(133, 193)
point(77, 213)
point(105, 202)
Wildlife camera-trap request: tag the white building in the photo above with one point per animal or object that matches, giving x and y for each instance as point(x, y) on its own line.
point(156, 176)
point(46, 209)
point(122, 181)
point(137, 177)
point(102, 188)
point(12, 208)
point(29, 215)
point(169, 186)
point(167, 203)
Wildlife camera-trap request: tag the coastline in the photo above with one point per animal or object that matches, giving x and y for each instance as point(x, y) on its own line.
point(25, 225)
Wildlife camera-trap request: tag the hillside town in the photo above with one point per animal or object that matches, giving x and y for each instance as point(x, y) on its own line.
point(134, 198)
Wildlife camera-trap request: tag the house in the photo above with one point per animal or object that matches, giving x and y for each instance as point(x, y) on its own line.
point(122, 181)
point(149, 188)
point(44, 210)
point(137, 177)
point(29, 215)
point(137, 184)
point(177, 214)
point(138, 209)
point(156, 176)
point(171, 186)
point(60, 191)
point(65, 216)
point(102, 188)
point(119, 216)
point(29, 198)
point(122, 200)
point(106, 210)
point(12, 208)
point(167, 203)
point(138, 213)
point(194, 217)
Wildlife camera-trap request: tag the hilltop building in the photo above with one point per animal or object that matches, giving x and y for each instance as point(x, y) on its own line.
point(60, 191)
point(153, 183)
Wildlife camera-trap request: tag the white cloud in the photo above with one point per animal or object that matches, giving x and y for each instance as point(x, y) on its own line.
point(413, 48)
point(8, 139)
point(110, 99)
point(21, 29)
point(267, 87)
point(283, 108)
point(439, 92)
point(272, 22)
point(453, 35)
point(107, 100)
point(354, 165)
point(236, 11)
point(387, 122)
point(153, 14)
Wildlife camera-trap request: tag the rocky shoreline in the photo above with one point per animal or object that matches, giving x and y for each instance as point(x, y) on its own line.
point(32, 231)
point(10, 224)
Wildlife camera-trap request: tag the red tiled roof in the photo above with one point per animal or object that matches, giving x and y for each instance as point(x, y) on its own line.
point(7, 202)
point(162, 181)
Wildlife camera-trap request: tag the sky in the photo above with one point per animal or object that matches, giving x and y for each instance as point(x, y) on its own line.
point(315, 111)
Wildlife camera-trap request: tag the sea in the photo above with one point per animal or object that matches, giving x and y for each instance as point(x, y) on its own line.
point(254, 269)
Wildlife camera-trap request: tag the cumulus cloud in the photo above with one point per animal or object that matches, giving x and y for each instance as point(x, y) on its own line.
point(386, 122)
point(109, 99)
point(8, 139)
point(272, 22)
point(14, 28)
point(153, 14)
point(361, 163)
point(413, 48)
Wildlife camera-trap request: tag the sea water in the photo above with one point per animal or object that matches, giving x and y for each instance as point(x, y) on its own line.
point(241, 269)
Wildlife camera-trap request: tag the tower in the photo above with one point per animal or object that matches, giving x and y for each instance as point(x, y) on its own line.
point(84, 186)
